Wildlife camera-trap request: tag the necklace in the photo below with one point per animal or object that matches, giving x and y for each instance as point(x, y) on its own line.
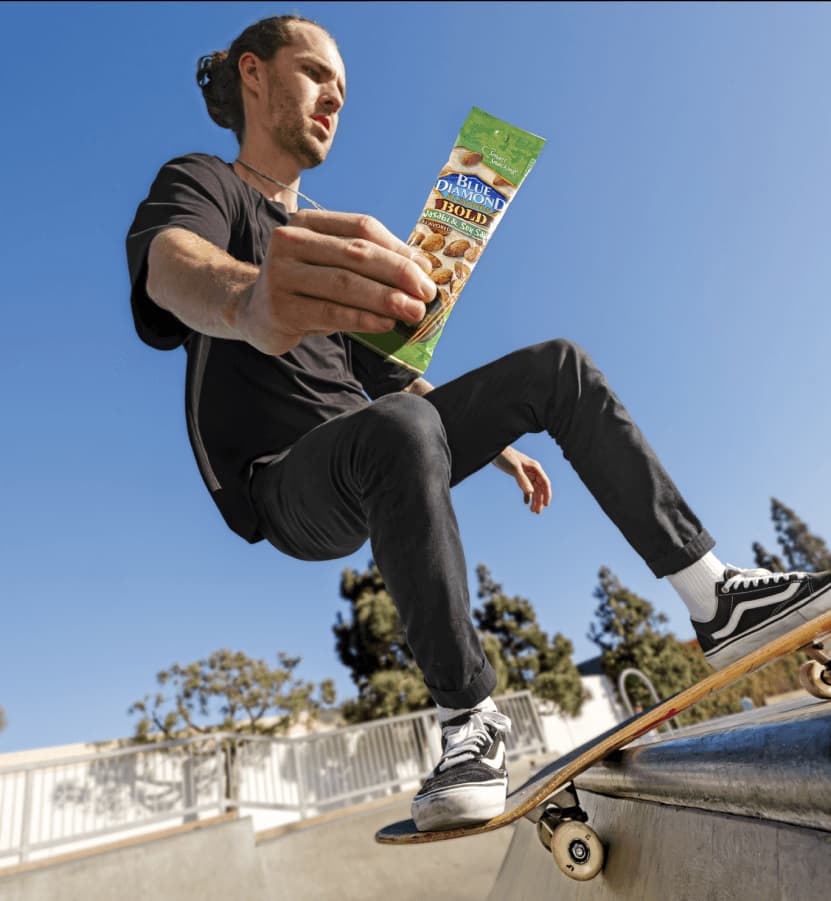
point(280, 184)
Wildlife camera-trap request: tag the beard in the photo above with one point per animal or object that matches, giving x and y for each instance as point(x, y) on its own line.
point(304, 148)
point(293, 132)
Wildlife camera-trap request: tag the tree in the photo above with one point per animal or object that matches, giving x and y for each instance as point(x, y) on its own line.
point(630, 634)
point(2, 719)
point(803, 551)
point(371, 644)
point(522, 654)
point(766, 560)
point(229, 691)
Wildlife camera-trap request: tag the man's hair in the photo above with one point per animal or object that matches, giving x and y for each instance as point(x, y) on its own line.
point(218, 72)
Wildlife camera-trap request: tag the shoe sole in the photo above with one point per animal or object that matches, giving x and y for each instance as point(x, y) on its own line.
point(789, 619)
point(461, 806)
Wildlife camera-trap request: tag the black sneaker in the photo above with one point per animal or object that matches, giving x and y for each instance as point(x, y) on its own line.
point(755, 606)
point(470, 781)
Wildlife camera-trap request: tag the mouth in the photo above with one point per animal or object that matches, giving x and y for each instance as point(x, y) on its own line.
point(324, 121)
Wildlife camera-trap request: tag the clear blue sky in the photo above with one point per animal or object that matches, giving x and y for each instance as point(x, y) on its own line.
point(676, 224)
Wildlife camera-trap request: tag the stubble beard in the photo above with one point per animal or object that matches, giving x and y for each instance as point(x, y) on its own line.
point(292, 136)
point(304, 149)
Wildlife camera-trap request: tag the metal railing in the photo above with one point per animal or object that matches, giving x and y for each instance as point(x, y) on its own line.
point(71, 803)
point(671, 723)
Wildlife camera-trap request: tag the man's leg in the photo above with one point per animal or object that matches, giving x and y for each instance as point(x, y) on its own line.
point(555, 387)
point(383, 472)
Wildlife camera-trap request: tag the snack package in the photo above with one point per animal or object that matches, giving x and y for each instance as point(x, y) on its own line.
point(471, 193)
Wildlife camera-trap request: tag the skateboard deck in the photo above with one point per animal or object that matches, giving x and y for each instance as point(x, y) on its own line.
point(560, 772)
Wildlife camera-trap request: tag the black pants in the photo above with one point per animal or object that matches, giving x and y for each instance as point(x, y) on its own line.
point(384, 472)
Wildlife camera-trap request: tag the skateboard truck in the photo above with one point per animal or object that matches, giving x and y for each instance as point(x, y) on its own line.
point(563, 830)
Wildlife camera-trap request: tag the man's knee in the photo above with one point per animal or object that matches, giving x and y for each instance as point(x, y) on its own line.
point(572, 365)
point(408, 427)
point(566, 352)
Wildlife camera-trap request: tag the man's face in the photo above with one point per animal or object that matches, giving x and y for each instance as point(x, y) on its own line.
point(306, 87)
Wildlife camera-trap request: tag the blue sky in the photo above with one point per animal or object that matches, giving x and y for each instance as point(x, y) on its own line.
point(676, 225)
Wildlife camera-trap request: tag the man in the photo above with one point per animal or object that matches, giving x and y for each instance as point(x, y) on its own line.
point(316, 443)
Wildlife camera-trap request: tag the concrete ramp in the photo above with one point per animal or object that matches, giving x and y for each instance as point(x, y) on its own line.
point(661, 853)
point(208, 862)
point(739, 808)
point(337, 859)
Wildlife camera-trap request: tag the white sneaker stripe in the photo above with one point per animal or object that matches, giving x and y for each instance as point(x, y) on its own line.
point(768, 601)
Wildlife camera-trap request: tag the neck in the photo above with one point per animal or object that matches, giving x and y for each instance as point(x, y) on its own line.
point(276, 182)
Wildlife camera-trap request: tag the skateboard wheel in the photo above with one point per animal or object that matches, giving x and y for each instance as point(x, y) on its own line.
point(577, 850)
point(812, 677)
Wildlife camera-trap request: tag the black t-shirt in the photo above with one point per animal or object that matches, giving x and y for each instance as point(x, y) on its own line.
point(242, 405)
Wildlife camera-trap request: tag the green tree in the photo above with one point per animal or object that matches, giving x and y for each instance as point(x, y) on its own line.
point(229, 691)
point(522, 655)
point(370, 643)
point(802, 550)
point(2, 719)
point(766, 560)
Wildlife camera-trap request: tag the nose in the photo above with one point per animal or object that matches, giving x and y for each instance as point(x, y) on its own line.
point(331, 99)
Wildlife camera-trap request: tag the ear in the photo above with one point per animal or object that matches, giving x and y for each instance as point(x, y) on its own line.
point(251, 72)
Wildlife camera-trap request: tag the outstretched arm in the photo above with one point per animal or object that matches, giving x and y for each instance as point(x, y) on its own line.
point(323, 273)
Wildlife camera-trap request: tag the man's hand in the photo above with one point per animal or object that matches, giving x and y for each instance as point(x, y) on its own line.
point(331, 272)
point(529, 475)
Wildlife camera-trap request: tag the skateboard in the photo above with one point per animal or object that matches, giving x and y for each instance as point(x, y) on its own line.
point(549, 799)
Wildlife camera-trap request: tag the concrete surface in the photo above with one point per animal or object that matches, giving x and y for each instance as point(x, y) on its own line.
point(658, 852)
point(212, 863)
point(731, 809)
point(338, 860)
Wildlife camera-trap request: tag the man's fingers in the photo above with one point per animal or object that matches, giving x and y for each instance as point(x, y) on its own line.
point(352, 254)
point(350, 225)
point(329, 272)
point(315, 318)
point(329, 317)
point(302, 285)
point(536, 487)
point(363, 228)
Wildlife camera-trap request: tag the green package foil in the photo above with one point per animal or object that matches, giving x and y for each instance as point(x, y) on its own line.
point(488, 163)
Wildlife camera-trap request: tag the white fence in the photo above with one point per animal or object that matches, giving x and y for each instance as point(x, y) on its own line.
point(63, 805)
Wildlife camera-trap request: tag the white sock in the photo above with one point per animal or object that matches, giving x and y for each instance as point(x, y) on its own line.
point(696, 586)
point(448, 713)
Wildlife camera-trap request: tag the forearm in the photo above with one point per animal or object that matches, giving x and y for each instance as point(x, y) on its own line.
point(200, 284)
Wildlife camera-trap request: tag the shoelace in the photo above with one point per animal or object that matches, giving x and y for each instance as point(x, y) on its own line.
point(753, 578)
point(469, 740)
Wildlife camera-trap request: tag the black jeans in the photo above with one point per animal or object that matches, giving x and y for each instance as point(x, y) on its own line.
point(384, 472)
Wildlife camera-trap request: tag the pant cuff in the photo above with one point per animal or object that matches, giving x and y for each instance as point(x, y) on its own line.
point(482, 686)
point(682, 557)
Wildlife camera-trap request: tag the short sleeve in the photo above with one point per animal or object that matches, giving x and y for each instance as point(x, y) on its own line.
point(189, 192)
point(378, 375)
